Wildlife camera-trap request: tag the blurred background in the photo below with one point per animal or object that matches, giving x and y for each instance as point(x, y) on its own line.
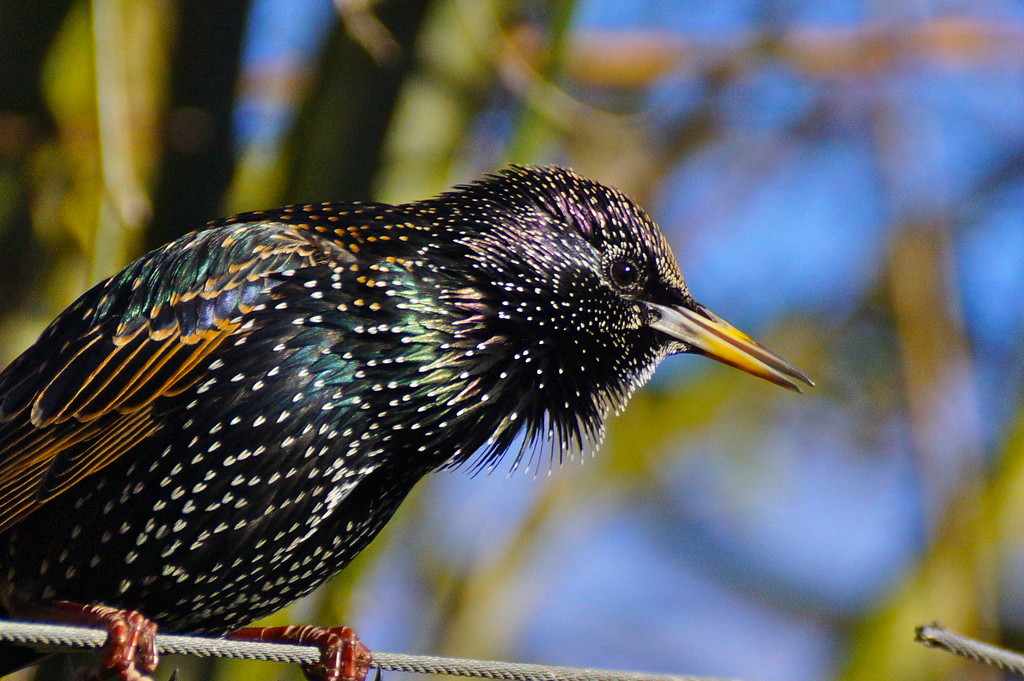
point(844, 180)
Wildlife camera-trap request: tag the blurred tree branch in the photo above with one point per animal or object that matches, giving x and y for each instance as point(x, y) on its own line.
point(27, 31)
point(336, 148)
point(198, 158)
point(638, 58)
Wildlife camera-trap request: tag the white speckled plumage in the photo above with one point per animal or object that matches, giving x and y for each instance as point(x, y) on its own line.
point(222, 426)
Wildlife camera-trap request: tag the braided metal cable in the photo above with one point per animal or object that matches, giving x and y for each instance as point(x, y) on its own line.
point(934, 636)
point(60, 638)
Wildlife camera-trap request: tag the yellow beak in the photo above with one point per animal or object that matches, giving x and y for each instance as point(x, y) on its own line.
point(708, 334)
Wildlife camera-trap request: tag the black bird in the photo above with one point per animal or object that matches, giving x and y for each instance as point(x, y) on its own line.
point(223, 425)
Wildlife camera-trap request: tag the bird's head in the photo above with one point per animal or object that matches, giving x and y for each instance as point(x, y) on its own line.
point(577, 291)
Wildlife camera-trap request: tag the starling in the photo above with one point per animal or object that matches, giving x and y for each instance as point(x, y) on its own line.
point(223, 425)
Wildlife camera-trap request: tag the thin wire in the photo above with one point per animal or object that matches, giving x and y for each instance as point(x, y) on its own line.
point(934, 636)
point(58, 638)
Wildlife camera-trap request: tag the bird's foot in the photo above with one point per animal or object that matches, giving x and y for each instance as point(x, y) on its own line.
point(130, 651)
point(343, 657)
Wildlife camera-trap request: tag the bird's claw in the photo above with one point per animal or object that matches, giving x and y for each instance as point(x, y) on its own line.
point(130, 651)
point(343, 657)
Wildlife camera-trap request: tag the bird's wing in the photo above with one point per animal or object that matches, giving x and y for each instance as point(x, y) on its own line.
point(85, 392)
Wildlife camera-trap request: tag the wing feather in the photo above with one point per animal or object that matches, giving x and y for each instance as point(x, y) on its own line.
point(87, 392)
point(109, 444)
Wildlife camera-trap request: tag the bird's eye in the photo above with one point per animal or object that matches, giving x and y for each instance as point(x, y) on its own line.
point(624, 273)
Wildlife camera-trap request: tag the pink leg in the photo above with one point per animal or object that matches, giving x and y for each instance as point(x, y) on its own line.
point(130, 650)
point(343, 657)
